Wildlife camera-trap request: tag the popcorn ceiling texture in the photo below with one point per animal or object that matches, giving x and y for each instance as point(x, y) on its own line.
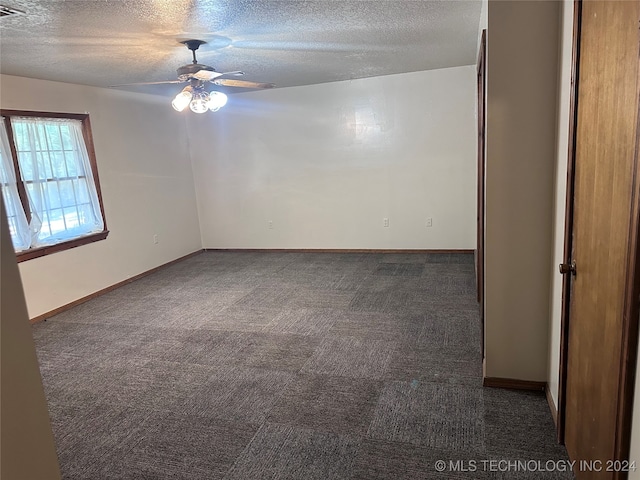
point(288, 43)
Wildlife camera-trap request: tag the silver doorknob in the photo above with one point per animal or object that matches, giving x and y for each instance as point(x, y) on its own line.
point(568, 268)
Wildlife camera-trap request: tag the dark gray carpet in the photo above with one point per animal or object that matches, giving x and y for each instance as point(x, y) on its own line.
point(285, 366)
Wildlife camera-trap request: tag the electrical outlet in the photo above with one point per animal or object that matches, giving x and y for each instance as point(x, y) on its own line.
point(385, 222)
point(155, 239)
point(270, 224)
point(429, 222)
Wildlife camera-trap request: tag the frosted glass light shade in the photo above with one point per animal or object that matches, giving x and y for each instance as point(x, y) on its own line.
point(182, 100)
point(199, 102)
point(217, 100)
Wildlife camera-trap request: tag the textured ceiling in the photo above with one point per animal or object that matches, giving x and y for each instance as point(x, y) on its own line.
point(289, 43)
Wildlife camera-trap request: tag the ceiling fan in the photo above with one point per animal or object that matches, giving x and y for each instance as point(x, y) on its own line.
point(197, 76)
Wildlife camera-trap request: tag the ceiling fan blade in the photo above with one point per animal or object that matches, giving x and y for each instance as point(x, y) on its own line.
point(145, 83)
point(226, 82)
point(209, 75)
point(206, 75)
point(237, 73)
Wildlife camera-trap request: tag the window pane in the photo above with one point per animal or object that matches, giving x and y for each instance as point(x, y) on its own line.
point(13, 229)
point(18, 227)
point(29, 187)
point(74, 169)
point(53, 137)
point(26, 166)
point(71, 218)
point(35, 141)
point(19, 135)
point(58, 164)
point(53, 157)
point(66, 193)
point(56, 221)
point(53, 195)
point(87, 217)
point(9, 203)
point(82, 192)
point(67, 144)
point(45, 231)
point(44, 166)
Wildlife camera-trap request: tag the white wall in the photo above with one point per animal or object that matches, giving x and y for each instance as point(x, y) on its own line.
point(484, 21)
point(562, 151)
point(521, 156)
point(326, 163)
point(147, 187)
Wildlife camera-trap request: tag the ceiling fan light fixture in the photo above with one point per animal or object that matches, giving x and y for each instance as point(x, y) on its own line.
point(217, 100)
point(182, 99)
point(199, 103)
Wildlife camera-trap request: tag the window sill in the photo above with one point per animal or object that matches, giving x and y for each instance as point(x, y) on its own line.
point(59, 247)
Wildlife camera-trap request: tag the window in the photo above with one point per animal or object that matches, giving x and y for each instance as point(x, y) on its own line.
point(49, 182)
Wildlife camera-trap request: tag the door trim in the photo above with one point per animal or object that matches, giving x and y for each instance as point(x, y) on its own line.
point(568, 220)
point(631, 311)
point(482, 102)
point(631, 317)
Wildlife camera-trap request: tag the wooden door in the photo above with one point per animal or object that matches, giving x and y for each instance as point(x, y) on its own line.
point(600, 342)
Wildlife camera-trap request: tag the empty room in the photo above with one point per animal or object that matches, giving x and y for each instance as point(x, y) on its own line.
point(319, 239)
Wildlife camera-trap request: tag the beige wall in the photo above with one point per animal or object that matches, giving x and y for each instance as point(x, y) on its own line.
point(521, 152)
point(147, 185)
point(27, 450)
point(327, 163)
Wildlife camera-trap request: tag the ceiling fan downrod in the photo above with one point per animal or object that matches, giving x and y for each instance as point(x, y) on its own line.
point(193, 45)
